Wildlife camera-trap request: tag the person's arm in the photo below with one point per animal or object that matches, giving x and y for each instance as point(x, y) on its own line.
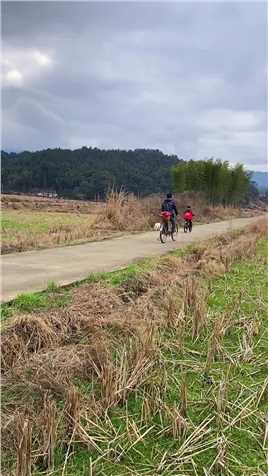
point(175, 208)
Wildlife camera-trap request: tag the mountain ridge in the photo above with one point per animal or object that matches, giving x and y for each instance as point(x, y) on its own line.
point(260, 178)
point(88, 172)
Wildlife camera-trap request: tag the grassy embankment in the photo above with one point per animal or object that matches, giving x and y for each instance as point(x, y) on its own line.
point(159, 370)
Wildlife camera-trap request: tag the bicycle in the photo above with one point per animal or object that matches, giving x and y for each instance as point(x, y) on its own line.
point(166, 228)
point(188, 226)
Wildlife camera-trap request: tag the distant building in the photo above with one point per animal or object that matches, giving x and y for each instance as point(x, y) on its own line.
point(46, 193)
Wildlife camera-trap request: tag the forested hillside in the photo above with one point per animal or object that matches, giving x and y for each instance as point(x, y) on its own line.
point(86, 172)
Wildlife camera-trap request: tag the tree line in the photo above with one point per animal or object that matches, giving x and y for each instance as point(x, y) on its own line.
point(87, 173)
point(217, 180)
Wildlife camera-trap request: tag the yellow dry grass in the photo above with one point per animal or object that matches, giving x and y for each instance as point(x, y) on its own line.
point(111, 336)
point(34, 222)
point(28, 229)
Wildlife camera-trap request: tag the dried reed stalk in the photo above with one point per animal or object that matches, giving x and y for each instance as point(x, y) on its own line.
point(24, 438)
point(49, 432)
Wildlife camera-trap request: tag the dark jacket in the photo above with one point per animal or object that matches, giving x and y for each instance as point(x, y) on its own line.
point(169, 205)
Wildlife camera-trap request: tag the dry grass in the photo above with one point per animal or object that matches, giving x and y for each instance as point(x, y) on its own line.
point(24, 230)
point(24, 447)
point(90, 303)
point(126, 212)
point(49, 433)
point(33, 222)
point(59, 205)
point(28, 334)
point(117, 343)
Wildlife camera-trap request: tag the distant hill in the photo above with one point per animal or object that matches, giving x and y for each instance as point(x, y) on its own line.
point(261, 179)
point(87, 172)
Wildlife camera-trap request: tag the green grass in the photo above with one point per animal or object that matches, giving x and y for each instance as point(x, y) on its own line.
point(30, 229)
point(246, 286)
point(242, 294)
point(121, 276)
point(54, 297)
point(44, 300)
point(36, 222)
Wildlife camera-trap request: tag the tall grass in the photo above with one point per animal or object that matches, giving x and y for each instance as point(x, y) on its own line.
point(159, 383)
point(123, 211)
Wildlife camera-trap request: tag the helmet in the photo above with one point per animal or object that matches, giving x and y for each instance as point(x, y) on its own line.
point(169, 195)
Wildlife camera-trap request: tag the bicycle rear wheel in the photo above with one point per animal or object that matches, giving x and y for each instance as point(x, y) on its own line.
point(163, 234)
point(172, 231)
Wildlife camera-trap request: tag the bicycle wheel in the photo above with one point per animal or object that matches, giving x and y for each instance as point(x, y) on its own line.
point(172, 231)
point(163, 234)
point(185, 228)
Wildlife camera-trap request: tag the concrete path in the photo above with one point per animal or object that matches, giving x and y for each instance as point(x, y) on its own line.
point(32, 270)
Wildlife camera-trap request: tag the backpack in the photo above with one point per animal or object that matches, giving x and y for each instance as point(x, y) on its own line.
point(168, 206)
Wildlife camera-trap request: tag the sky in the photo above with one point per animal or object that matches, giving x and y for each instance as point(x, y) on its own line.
point(188, 78)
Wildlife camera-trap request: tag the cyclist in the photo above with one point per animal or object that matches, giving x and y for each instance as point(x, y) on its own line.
point(188, 216)
point(169, 205)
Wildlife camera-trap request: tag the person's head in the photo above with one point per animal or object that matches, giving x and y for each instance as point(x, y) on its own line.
point(189, 207)
point(169, 195)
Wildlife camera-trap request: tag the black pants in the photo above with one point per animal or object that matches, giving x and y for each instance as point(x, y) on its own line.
point(190, 224)
point(173, 223)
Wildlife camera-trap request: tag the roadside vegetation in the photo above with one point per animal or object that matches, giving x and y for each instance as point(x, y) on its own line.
point(160, 371)
point(52, 298)
point(33, 223)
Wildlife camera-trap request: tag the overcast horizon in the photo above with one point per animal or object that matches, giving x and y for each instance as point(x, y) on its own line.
point(187, 78)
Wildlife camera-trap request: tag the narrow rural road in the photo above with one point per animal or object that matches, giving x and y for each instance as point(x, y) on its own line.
point(32, 270)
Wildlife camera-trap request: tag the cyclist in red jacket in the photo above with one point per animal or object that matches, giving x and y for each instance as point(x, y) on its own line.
point(188, 216)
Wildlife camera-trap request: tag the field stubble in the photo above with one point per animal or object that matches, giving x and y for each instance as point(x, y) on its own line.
point(164, 374)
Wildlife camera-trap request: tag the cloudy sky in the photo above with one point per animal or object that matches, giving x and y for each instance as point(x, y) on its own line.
point(185, 77)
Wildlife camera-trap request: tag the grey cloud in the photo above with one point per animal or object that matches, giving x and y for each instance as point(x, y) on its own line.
point(161, 75)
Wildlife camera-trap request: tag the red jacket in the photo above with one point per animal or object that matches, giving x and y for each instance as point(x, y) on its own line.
point(188, 215)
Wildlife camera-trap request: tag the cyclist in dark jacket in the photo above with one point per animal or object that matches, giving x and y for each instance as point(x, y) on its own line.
point(169, 205)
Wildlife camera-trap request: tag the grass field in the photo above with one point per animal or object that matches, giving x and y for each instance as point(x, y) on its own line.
point(27, 229)
point(33, 222)
point(159, 369)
